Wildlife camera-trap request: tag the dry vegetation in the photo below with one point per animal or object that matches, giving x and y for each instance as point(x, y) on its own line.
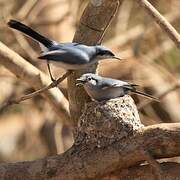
point(41, 126)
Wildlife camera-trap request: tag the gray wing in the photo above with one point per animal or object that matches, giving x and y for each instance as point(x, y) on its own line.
point(109, 83)
point(66, 55)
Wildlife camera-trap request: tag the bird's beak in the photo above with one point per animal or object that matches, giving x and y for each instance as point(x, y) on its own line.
point(112, 57)
point(118, 58)
point(80, 82)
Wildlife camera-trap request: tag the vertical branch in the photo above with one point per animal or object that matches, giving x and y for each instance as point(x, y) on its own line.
point(94, 21)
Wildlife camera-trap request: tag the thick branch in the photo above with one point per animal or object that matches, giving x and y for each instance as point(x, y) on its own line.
point(93, 24)
point(80, 162)
point(164, 24)
point(170, 172)
point(34, 77)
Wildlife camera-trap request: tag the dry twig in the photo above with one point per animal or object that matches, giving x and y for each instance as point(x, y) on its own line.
point(38, 92)
point(161, 20)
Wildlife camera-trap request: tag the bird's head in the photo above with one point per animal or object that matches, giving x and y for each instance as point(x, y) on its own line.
point(88, 78)
point(105, 53)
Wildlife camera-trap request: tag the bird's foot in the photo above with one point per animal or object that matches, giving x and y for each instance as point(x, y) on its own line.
point(54, 81)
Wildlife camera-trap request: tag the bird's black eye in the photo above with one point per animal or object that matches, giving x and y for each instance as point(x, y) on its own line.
point(89, 78)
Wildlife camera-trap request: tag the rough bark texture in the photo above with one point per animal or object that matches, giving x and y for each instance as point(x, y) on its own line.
point(118, 144)
point(102, 123)
point(95, 19)
point(170, 172)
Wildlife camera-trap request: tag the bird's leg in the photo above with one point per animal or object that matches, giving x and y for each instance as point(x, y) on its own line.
point(49, 70)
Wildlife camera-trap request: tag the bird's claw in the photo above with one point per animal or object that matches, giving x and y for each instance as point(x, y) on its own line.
point(54, 81)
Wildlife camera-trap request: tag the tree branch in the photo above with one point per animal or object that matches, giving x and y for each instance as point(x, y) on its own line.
point(37, 79)
point(164, 24)
point(93, 24)
point(170, 172)
point(117, 144)
point(38, 92)
point(79, 163)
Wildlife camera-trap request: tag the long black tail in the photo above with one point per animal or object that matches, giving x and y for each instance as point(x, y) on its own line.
point(145, 95)
point(30, 32)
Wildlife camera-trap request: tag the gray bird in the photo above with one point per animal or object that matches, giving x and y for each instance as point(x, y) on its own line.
point(101, 88)
point(70, 56)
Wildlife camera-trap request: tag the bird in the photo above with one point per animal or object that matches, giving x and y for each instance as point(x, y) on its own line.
point(101, 88)
point(69, 55)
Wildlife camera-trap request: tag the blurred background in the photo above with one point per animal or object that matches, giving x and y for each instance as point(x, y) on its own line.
point(31, 129)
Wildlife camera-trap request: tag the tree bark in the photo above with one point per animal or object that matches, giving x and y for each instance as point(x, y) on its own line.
point(108, 139)
point(171, 172)
point(95, 19)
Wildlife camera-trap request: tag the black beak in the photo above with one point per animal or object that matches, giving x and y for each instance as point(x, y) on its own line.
point(118, 58)
point(113, 56)
point(80, 82)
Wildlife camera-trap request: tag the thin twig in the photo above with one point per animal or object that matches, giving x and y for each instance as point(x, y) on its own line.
point(161, 20)
point(35, 93)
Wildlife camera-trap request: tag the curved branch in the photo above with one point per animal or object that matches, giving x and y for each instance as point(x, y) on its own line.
point(80, 162)
point(170, 172)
